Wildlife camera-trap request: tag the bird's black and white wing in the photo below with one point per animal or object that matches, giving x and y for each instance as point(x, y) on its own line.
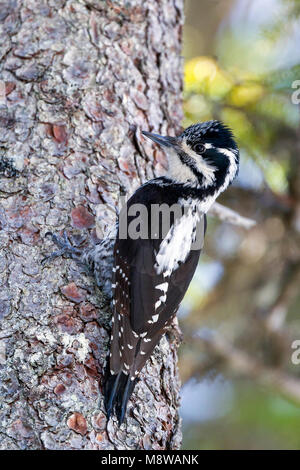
point(151, 277)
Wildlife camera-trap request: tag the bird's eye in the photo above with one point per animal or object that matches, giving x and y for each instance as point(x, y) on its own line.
point(199, 148)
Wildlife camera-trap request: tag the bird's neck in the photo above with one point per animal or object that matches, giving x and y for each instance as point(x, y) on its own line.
point(192, 192)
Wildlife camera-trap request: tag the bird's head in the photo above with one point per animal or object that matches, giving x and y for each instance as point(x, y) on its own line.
point(204, 155)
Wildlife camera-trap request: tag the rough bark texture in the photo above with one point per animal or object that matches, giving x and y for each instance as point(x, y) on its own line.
point(75, 76)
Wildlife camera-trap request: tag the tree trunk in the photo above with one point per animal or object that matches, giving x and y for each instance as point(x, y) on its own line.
point(76, 76)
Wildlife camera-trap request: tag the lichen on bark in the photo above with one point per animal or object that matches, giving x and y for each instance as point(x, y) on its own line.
point(77, 76)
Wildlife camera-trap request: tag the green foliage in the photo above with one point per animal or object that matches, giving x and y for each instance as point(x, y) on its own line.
point(258, 419)
point(247, 90)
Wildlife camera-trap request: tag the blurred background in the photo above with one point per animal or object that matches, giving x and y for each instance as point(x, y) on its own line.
point(241, 389)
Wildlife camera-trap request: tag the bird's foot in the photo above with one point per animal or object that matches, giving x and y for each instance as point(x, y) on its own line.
point(65, 248)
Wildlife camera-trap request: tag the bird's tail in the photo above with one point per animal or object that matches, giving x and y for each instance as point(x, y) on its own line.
point(117, 391)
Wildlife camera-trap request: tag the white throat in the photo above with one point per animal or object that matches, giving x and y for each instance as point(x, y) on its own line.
point(177, 170)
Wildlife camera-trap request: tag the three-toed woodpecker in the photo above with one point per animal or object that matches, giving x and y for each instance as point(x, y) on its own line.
point(155, 257)
point(152, 273)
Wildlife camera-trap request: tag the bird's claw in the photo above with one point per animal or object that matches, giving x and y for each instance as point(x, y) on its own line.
point(64, 245)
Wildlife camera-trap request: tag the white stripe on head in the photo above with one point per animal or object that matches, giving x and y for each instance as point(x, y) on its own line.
point(231, 154)
point(204, 167)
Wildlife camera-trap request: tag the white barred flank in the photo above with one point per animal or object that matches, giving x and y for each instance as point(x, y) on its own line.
point(176, 246)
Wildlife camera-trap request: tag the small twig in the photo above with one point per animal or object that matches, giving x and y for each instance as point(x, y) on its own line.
point(229, 215)
point(289, 290)
point(242, 364)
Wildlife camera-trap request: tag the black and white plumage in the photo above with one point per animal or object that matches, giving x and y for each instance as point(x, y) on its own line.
point(151, 274)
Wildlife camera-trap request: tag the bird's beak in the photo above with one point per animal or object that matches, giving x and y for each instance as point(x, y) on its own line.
point(166, 141)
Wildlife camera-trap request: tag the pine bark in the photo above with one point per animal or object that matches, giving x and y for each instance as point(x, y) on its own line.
point(76, 77)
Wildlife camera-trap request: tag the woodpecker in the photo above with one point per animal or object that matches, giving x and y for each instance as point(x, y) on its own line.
point(151, 274)
point(154, 265)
